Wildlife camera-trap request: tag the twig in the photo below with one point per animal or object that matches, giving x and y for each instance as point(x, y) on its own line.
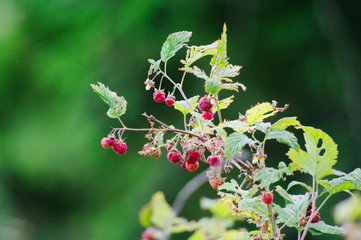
point(170, 129)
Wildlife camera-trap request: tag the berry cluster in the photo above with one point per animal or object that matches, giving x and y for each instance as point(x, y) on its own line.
point(159, 96)
point(205, 105)
point(119, 146)
point(316, 218)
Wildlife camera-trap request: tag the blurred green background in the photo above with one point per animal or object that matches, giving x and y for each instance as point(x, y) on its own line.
point(56, 182)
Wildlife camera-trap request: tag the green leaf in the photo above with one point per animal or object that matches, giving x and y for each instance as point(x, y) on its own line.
point(183, 106)
point(295, 208)
point(198, 72)
point(217, 207)
point(283, 136)
point(212, 86)
point(350, 181)
point(249, 203)
point(154, 66)
point(317, 161)
point(259, 112)
point(117, 105)
point(262, 126)
point(198, 235)
point(235, 142)
point(224, 73)
point(294, 183)
point(321, 226)
point(162, 213)
point(268, 175)
point(236, 125)
point(223, 104)
point(284, 123)
point(174, 42)
point(194, 53)
point(145, 214)
point(229, 186)
point(220, 58)
point(236, 235)
point(233, 86)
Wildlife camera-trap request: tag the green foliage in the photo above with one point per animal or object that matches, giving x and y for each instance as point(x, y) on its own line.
point(117, 105)
point(350, 181)
point(259, 112)
point(154, 66)
point(267, 175)
point(195, 53)
point(284, 123)
point(283, 136)
point(174, 42)
point(157, 212)
point(183, 106)
point(223, 104)
point(235, 142)
point(322, 227)
point(295, 208)
point(236, 125)
point(313, 161)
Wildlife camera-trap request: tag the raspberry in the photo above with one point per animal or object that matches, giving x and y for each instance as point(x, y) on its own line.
point(169, 101)
point(174, 157)
point(120, 147)
point(104, 143)
point(214, 161)
point(316, 218)
point(159, 96)
point(216, 182)
point(193, 157)
point(147, 235)
point(208, 115)
point(168, 147)
point(192, 166)
point(204, 104)
point(267, 197)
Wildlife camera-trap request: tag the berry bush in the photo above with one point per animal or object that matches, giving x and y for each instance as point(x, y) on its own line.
point(219, 144)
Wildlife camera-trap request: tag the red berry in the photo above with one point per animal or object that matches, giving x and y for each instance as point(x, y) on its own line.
point(174, 156)
point(169, 101)
point(316, 218)
point(193, 157)
point(204, 104)
point(159, 96)
point(120, 147)
point(147, 235)
point(208, 115)
point(104, 143)
point(213, 160)
point(267, 197)
point(192, 166)
point(168, 147)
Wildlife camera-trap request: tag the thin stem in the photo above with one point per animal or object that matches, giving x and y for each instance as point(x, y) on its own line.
point(183, 95)
point(184, 74)
point(185, 122)
point(170, 129)
point(270, 216)
point(299, 234)
point(121, 122)
point(314, 197)
point(237, 165)
point(218, 110)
